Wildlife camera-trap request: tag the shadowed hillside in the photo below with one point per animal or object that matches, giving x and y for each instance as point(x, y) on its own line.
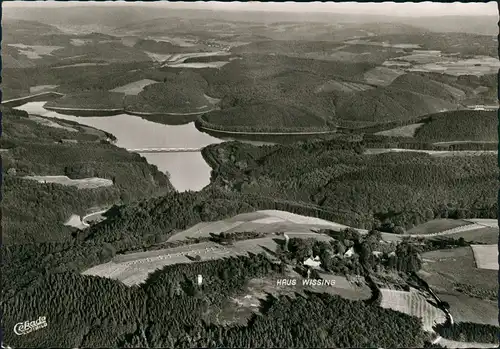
point(463, 125)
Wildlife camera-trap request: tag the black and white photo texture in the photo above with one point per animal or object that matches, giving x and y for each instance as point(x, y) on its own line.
point(249, 175)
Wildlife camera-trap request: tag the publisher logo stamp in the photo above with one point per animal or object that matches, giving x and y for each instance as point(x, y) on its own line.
point(22, 328)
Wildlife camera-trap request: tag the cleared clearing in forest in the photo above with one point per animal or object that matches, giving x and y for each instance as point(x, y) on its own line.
point(455, 344)
point(134, 88)
point(403, 131)
point(264, 221)
point(382, 76)
point(493, 223)
point(486, 256)
point(413, 303)
point(84, 183)
point(134, 268)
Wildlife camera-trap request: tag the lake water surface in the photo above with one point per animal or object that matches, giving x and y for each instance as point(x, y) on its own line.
point(188, 171)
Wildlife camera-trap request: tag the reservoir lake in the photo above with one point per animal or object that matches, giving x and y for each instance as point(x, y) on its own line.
point(188, 170)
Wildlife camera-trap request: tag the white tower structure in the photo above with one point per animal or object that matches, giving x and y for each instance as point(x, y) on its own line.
point(287, 238)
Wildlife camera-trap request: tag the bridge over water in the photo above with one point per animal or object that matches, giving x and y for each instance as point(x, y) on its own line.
point(165, 150)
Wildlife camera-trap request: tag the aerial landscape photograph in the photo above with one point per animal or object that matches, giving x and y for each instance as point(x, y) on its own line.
point(249, 175)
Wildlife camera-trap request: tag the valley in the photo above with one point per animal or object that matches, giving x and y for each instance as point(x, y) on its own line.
point(262, 150)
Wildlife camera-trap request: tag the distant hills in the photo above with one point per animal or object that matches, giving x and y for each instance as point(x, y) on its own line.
point(123, 16)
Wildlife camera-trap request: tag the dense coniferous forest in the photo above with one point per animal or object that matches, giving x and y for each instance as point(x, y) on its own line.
point(280, 77)
point(169, 310)
point(35, 149)
point(134, 315)
point(365, 190)
point(470, 332)
point(269, 118)
point(467, 125)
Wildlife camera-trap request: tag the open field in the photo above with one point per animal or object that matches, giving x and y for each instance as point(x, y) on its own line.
point(375, 151)
point(482, 234)
point(178, 41)
point(454, 271)
point(50, 123)
point(42, 88)
point(421, 57)
point(35, 51)
point(446, 144)
point(493, 223)
point(403, 131)
point(449, 232)
point(158, 57)
point(79, 42)
point(92, 101)
point(454, 344)
point(269, 221)
point(438, 225)
point(216, 65)
point(89, 64)
point(84, 183)
point(342, 86)
point(274, 221)
point(382, 76)
point(75, 221)
point(464, 308)
point(134, 268)
point(480, 65)
point(240, 307)
point(415, 304)
point(486, 256)
point(178, 58)
point(134, 88)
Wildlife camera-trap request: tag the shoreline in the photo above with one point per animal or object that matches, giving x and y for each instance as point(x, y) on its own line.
point(199, 125)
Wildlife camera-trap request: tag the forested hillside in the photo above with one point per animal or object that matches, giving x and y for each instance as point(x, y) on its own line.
point(267, 117)
point(35, 212)
point(462, 125)
point(171, 311)
point(404, 188)
point(389, 104)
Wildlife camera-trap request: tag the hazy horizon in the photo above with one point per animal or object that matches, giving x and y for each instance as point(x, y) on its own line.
point(425, 9)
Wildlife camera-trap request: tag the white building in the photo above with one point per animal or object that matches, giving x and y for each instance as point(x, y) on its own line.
point(349, 252)
point(200, 280)
point(312, 262)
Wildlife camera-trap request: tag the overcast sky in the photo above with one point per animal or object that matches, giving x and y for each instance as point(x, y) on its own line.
point(385, 8)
